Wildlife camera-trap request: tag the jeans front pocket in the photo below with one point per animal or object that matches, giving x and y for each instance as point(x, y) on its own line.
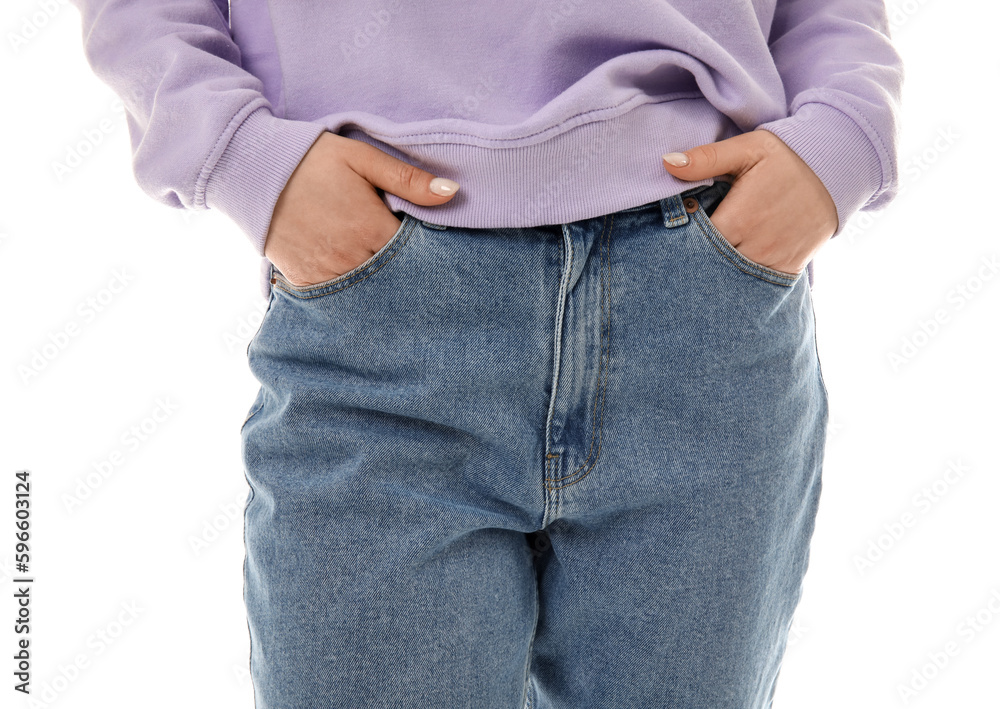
point(375, 263)
point(725, 251)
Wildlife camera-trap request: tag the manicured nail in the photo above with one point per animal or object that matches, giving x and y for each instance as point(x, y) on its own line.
point(443, 187)
point(677, 159)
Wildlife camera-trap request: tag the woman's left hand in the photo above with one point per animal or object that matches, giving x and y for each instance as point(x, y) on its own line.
point(777, 213)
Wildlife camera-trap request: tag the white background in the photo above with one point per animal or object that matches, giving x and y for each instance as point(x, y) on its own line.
point(139, 571)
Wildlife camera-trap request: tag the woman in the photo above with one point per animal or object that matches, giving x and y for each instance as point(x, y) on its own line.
point(541, 416)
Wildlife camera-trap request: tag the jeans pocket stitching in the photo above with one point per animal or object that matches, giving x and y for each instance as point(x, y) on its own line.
point(357, 274)
point(737, 259)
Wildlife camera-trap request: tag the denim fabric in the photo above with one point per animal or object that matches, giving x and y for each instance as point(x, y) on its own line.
point(557, 467)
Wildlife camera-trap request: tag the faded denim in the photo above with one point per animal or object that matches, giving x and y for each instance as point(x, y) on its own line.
point(558, 467)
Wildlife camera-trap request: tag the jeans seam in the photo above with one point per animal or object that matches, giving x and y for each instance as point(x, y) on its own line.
point(246, 508)
point(598, 427)
point(531, 645)
point(255, 408)
point(819, 362)
point(567, 268)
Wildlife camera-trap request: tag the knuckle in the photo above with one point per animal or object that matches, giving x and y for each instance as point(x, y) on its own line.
point(768, 143)
point(709, 156)
point(407, 175)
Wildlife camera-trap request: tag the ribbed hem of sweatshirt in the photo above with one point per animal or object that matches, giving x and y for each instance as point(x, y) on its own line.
point(585, 171)
point(254, 168)
point(837, 150)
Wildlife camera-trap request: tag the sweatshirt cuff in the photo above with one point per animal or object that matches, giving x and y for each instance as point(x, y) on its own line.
point(254, 168)
point(837, 150)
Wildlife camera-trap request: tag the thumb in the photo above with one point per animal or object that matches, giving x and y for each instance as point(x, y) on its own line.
point(730, 156)
point(400, 178)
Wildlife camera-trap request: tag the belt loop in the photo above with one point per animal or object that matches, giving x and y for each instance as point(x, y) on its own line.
point(674, 213)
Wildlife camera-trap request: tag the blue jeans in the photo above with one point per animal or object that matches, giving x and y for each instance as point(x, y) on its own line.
point(563, 467)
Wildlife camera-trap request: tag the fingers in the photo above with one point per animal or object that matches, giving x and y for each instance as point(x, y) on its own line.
point(400, 178)
point(732, 156)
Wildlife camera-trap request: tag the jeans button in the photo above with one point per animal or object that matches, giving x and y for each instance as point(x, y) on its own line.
point(690, 204)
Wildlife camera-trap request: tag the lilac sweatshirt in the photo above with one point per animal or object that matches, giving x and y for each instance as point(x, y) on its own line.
point(544, 111)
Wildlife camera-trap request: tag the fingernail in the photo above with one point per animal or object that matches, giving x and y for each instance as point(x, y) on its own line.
point(443, 187)
point(677, 159)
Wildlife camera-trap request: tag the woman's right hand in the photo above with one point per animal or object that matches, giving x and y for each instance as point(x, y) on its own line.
point(329, 218)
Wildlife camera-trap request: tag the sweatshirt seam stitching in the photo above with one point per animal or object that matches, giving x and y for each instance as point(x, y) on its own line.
point(680, 96)
point(863, 117)
point(868, 136)
point(205, 174)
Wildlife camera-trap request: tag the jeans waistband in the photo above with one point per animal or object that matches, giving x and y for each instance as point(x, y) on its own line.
point(672, 207)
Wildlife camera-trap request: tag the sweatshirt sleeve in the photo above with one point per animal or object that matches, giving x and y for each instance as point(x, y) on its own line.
point(843, 81)
point(202, 133)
